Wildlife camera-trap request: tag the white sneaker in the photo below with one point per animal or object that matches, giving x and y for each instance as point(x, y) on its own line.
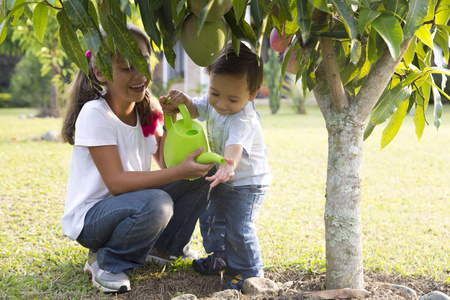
point(107, 282)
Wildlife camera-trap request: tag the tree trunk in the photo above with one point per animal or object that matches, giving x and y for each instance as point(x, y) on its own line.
point(343, 204)
point(343, 191)
point(54, 97)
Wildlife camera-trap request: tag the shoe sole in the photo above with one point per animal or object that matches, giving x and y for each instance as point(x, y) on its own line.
point(158, 260)
point(122, 289)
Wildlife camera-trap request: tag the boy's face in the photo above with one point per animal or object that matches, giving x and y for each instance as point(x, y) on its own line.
point(228, 94)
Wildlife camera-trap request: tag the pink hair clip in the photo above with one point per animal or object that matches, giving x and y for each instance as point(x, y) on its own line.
point(88, 54)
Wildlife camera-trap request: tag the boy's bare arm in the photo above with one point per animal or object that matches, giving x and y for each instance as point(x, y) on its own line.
point(232, 154)
point(175, 98)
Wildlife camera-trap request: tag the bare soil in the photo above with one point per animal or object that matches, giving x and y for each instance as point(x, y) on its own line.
point(152, 282)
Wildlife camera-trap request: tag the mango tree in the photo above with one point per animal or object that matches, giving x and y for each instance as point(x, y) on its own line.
point(369, 62)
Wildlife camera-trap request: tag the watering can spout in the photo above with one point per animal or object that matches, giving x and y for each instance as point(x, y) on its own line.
point(209, 157)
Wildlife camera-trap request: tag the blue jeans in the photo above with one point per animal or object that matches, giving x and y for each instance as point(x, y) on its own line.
point(228, 227)
point(124, 228)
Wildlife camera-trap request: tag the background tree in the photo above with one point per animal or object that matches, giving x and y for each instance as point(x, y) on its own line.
point(361, 58)
point(44, 51)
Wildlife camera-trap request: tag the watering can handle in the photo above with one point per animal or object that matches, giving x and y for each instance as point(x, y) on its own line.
point(186, 117)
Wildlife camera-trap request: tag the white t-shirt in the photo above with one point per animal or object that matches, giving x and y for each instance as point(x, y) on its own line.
point(242, 128)
point(97, 125)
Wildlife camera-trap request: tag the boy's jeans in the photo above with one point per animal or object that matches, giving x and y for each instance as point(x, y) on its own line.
point(124, 228)
point(228, 227)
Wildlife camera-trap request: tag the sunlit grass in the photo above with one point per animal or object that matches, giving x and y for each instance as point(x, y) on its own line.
point(406, 206)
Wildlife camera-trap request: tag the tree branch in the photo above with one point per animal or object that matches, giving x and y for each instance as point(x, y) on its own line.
point(332, 73)
point(377, 80)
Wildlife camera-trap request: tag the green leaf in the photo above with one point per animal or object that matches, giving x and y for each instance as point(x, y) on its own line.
point(239, 7)
point(419, 120)
point(79, 18)
point(350, 71)
point(104, 13)
point(243, 31)
point(258, 13)
point(441, 38)
point(19, 4)
point(70, 43)
point(40, 18)
point(321, 5)
point(103, 61)
point(304, 19)
point(410, 78)
point(369, 129)
point(440, 90)
point(149, 20)
point(261, 31)
point(285, 9)
point(366, 16)
point(389, 103)
point(408, 57)
point(181, 6)
point(371, 50)
point(390, 30)
point(168, 32)
point(418, 10)
point(437, 70)
point(442, 12)
point(127, 45)
point(236, 44)
point(397, 7)
point(355, 52)
point(425, 36)
point(203, 14)
point(392, 128)
point(437, 111)
point(93, 12)
point(3, 31)
point(125, 7)
point(346, 14)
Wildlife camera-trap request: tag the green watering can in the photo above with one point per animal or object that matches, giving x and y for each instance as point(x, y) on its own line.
point(184, 137)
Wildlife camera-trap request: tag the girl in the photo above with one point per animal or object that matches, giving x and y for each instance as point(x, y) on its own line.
point(112, 205)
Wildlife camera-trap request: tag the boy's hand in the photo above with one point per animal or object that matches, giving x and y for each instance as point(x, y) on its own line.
point(225, 172)
point(176, 98)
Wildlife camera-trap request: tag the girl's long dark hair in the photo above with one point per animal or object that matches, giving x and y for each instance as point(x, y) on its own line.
point(84, 89)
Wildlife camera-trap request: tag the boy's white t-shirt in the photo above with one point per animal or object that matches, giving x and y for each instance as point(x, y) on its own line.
point(242, 128)
point(97, 125)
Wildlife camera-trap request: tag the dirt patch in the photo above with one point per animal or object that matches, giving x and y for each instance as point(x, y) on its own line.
point(151, 282)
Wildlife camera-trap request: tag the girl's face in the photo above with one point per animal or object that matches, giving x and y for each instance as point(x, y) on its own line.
point(129, 84)
point(228, 94)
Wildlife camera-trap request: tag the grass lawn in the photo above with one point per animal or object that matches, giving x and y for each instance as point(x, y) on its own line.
point(406, 203)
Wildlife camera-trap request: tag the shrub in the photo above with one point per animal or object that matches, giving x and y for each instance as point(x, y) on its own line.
point(4, 99)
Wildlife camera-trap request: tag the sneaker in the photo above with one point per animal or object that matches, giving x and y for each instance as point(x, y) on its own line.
point(235, 283)
point(211, 265)
point(107, 282)
point(162, 258)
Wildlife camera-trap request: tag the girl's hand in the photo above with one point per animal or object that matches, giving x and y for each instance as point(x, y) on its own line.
point(191, 169)
point(225, 172)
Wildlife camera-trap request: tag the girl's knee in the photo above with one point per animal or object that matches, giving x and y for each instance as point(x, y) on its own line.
point(160, 205)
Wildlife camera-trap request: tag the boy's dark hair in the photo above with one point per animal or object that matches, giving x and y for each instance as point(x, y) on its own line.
point(229, 63)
